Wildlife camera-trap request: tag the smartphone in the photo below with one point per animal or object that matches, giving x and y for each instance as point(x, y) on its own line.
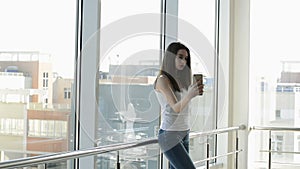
point(198, 77)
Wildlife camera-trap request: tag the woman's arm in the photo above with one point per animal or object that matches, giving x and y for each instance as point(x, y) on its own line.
point(164, 86)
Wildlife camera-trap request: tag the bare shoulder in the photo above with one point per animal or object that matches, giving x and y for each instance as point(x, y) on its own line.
point(163, 82)
point(163, 85)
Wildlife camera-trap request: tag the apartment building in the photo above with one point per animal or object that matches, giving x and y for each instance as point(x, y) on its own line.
point(30, 123)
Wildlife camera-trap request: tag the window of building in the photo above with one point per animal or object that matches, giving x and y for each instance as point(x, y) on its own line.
point(45, 74)
point(67, 93)
point(9, 126)
point(278, 114)
point(47, 128)
point(45, 79)
point(278, 144)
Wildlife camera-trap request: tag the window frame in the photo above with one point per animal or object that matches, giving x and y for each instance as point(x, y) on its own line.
point(85, 110)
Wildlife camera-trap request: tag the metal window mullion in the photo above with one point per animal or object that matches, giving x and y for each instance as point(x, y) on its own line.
point(216, 65)
point(76, 95)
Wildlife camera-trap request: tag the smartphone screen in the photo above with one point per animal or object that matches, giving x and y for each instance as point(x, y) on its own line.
point(198, 77)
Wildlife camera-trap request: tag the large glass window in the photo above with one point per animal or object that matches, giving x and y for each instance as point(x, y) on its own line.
point(36, 73)
point(196, 28)
point(36, 60)
point(129, 62)
point(275, 79)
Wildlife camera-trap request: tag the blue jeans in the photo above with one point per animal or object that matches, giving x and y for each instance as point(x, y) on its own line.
point(175, 146)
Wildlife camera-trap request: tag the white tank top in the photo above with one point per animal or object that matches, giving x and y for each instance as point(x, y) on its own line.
point(170, 120)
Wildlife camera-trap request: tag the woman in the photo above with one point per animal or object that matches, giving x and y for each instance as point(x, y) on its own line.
point(174, 91)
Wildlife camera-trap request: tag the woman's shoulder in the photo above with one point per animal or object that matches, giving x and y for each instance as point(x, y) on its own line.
point(163, 78)
point(162, 81)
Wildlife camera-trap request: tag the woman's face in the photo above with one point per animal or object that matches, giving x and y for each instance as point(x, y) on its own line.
point(181, 59)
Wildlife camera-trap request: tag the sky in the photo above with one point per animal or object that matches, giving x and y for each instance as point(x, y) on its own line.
point(204, 21)
point(274, 35)
point(47, 26)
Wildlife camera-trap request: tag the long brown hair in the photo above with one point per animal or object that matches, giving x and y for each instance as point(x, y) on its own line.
point(168, 67)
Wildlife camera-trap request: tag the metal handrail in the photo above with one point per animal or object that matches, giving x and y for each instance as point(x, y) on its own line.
point(54, 157)
point(270, 129)
point(216, 131)
point(218, 156)
point(283, 152)
point(275, 128)
point(23, 162)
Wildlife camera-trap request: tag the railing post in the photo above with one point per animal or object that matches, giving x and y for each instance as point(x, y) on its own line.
point(270, 147)
point(236, 149)
point(118, 160)
point(207, 153)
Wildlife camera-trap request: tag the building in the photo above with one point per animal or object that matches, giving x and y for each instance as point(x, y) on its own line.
point(30, 124)
point(35, 65)
point(279, 107)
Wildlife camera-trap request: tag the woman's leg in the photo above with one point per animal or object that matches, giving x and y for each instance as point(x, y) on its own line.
point(175, 147)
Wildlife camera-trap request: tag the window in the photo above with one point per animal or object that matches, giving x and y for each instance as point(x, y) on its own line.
point(200, 15)
point(45, 79)
point(129, 62)
point(35, 44)
point(48, 129)
point(278, 114)
point(67, 93)
point(274, 57)
point(278, 144)
point(10, 126)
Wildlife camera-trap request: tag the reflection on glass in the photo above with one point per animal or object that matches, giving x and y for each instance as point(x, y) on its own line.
point(203, 20)
point(35, 47)
point(274, 85)
point(129, 60)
